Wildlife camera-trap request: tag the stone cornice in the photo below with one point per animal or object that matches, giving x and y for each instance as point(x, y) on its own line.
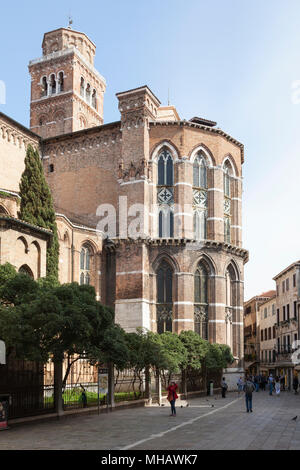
point(214, 130)
point(17, 129)
point(183, 242)
point(25, 226)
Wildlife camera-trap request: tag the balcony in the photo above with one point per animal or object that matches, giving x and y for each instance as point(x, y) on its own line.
point(286, 323)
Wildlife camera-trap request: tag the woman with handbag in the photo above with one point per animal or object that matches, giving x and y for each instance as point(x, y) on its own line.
point(172, 397)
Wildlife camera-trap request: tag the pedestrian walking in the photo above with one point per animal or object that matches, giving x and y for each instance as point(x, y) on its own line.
point(263, 382)
point(256, 383)
point(83, 397)
point(224, 387)
point(249, 388)
point(172, 397)
point(295, 384)
point(282, 381)
point(240, 385)
point(277, 386)
point(271, 383)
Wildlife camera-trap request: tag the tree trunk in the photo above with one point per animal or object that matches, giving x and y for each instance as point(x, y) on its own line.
point(158, 386)
point(148, 385)
point(111, 386)
point(58, 399)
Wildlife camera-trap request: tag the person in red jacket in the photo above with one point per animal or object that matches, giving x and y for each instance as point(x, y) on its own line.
point(172, 397)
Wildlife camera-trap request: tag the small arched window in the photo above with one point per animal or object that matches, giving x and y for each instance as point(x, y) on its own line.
point(88, 93)
point(164, 306)
point(94, 99)
point(26, 270)
point(44, 86)
point(60, 82)
point(82, 86)
point(201, 301)
point(85, 261)
point(52, 84)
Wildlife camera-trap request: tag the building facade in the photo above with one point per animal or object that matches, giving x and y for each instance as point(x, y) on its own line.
point(252, 331)
point(287, 325)
point(148, 207)
point(267, 330)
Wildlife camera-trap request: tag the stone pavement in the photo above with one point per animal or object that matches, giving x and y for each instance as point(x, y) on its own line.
point(207, 423)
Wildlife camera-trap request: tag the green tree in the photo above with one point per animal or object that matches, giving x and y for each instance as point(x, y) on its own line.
point(40, 321)
point(197, 349)
point(37, 205)
point(219, 356)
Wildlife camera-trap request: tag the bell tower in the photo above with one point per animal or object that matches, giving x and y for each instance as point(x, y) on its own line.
point(66, 90)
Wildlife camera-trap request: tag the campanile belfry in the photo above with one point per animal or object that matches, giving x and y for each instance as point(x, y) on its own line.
point(66, 90)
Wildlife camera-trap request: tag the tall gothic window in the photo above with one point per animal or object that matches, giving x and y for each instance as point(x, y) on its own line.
point(227, 201)
point(230, 277)
point(200, 199)
point(164, 306)
point(165, 195)
point(85, 262)
point(201, 301)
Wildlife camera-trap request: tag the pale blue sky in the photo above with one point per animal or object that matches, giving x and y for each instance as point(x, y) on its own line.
point(232, 61)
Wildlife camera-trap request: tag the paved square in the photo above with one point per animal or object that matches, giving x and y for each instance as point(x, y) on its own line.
point(208, 423)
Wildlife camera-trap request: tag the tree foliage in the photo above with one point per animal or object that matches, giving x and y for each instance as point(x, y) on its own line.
point(42, 320)
point(37, 205)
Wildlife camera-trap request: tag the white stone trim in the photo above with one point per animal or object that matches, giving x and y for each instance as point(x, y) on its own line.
point(216, 321)
point(238, 323)
point(198, 149)
point(133, 301)
point(183, 303)
point(216, 189)
point(167, 144)
point(236, 226)
point(183, 213)
point(184, 274)
point(183, 319)
point(183, 184)
point(215, 218)
point(236, 199)
point(124, 273)
point(134, 182)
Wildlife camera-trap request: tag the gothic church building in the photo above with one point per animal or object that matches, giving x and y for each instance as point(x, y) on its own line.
point(181, 268)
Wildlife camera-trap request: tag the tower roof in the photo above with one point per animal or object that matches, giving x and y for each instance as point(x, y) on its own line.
point(71, 31)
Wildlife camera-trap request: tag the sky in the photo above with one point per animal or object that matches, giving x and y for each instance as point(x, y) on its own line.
point(236, 62)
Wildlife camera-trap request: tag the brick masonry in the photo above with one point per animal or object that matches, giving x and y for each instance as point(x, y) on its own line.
point(89, 165)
